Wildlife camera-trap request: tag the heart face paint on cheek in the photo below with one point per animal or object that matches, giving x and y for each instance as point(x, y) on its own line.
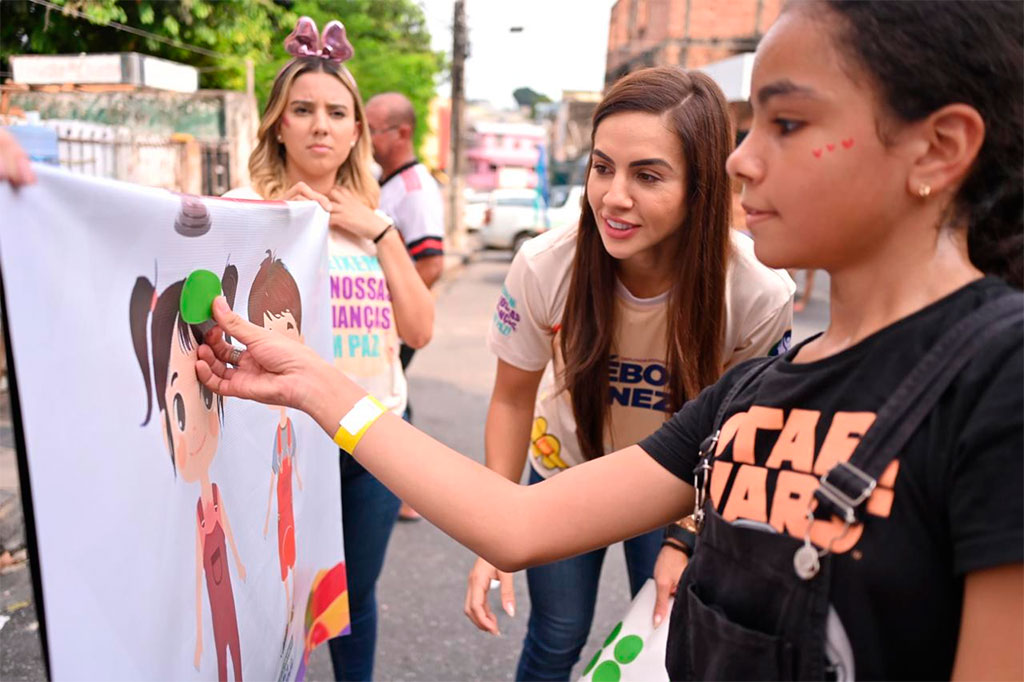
point(831, 147)
point(847, 143)
point(817, 153)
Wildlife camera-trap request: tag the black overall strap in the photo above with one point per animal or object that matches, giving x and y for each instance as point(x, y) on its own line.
point(706, 454)
point(845, 487)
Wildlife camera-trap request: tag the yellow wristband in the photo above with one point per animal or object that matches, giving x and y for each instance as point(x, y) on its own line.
point(357, 422)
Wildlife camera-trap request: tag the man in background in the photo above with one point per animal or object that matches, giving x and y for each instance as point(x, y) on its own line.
point(410, 196)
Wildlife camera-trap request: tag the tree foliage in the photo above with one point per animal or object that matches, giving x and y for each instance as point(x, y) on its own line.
point(241, 29)
point(528, 97)
point(391, 41)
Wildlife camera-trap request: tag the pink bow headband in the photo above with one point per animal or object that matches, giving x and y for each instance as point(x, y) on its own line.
point(332, 44)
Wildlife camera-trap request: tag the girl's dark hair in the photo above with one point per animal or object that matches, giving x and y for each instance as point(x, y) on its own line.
point(925, 54)
point(695, 108)
point(167, 324)
point(274, 291)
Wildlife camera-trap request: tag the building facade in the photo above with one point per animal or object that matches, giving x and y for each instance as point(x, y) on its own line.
point(503, 155)
point(688, 33)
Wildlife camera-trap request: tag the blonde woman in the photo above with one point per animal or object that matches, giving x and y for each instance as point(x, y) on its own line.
point(314, 144)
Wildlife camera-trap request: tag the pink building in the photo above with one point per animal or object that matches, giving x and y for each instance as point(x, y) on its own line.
point(503, 155)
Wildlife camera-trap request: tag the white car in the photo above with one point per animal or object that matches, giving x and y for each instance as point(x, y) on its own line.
point(512, 217)
point(475, 210)
point(565, 205)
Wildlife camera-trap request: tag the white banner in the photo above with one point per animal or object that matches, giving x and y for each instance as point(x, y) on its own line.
point(179, 538)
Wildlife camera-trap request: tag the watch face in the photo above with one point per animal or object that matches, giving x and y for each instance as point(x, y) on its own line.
point(688, 523)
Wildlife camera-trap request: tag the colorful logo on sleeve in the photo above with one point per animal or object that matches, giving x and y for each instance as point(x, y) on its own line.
point(506, 317)
point(783, 345)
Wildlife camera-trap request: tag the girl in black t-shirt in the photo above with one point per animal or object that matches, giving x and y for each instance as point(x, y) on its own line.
point(886, 149)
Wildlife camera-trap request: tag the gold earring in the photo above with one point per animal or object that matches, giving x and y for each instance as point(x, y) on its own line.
point(923, 190)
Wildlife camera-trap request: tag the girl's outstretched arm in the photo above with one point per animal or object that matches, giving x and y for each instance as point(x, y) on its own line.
point(612, 498)
point(992, 626)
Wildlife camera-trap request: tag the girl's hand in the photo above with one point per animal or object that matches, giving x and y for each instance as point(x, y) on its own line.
point(301, 191)
point(14, 165)
point(667, 571)
point(273, 369)
point(350, 214)
point(477, 608)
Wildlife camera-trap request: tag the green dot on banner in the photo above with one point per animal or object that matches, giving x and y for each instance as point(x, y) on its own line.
point(592, 662)
point(608, 671)
point(197, 295)
point(628, 649)
point(614, 634)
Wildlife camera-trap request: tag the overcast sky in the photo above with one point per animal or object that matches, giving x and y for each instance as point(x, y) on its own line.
point(562, 45)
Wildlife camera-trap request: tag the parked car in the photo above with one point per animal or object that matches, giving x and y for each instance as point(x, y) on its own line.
point(475, 209)
point(565, 205)
point(512, 217)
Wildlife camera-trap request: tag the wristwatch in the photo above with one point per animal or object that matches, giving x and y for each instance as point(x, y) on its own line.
point(683, 531)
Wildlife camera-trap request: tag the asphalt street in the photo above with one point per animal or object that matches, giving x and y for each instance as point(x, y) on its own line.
point(423, 633)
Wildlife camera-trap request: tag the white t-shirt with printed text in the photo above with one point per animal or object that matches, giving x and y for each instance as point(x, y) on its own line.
point(524, 333)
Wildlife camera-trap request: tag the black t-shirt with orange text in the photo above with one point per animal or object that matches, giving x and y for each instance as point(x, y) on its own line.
point(951, 503)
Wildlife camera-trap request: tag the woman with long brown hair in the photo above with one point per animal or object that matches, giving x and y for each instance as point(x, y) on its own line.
point(606, 329)
point(314, 143)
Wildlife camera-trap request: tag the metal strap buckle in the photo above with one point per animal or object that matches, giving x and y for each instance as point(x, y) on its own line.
point(839, 498)
point(701, 477)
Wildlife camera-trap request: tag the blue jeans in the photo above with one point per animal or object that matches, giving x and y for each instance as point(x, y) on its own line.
point(368, 515)
point(562, 598)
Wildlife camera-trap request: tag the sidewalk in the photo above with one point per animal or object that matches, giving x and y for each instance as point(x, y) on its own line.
point(21, 656)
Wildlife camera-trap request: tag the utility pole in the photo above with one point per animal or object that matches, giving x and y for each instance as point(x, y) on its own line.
point(456, 226)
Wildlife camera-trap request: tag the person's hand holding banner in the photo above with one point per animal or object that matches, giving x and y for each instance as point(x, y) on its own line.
point(14, 164)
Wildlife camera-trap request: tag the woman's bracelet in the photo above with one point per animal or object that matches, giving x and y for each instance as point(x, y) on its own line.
point(357, 421)
point(383, 232)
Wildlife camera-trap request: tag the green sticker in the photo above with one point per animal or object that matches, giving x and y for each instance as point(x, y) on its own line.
point(615, 633)
point(628, 649)
point(608, 672)
point(592, 662)
point(197, 295)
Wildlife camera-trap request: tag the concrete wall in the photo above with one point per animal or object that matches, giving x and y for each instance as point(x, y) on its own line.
point(150, 119)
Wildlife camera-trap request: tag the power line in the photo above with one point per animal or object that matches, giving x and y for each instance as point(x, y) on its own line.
point(137, 31)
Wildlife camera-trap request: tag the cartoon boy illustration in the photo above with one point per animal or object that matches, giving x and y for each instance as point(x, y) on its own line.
point(191, 416)
point(275, 303)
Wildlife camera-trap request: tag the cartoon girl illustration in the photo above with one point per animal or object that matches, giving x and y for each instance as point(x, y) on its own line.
point(191, 417)
point(275, 303)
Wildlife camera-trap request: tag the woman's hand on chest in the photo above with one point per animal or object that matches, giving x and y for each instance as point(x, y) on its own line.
point(350, 214)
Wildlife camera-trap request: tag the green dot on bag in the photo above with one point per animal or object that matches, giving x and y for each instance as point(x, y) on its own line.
point(628, 648)
point(608, 671)
point(592, 662)
point(614, 634)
